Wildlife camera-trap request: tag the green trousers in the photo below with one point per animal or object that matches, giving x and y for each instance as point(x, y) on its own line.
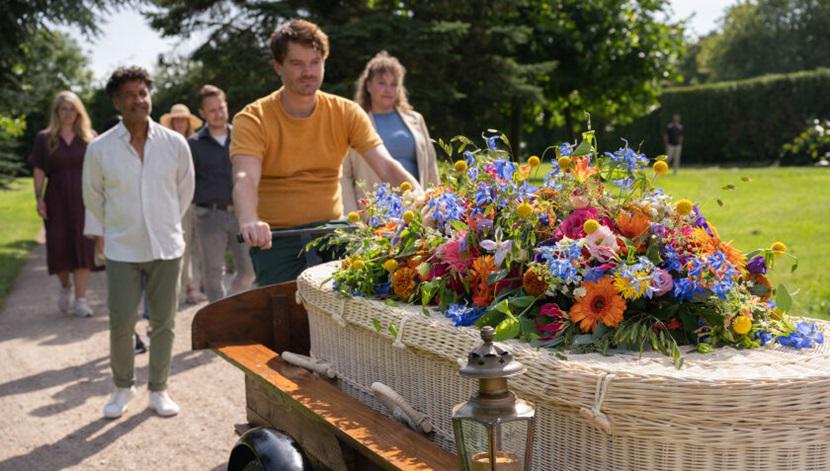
point(124, 285)
point(286, 258)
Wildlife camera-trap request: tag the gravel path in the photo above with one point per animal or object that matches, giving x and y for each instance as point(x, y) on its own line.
point(55, 380)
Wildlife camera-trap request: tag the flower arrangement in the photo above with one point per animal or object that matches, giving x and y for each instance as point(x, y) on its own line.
point(583, 254)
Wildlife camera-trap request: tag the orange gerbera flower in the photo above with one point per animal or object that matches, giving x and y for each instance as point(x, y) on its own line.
point(632, 224)
point(709, 244)
point(601, 303)
point(480, 270)
point(390, 226)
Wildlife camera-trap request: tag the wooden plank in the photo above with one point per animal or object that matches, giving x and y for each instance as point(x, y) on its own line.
point(387, 443)
point(269, 316)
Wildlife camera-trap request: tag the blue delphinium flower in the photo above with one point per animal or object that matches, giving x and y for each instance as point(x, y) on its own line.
point(594, 274)
point(445, 207)
point(566, 149)
point(470, 158)
point(623, 183)
point(463, 315)
point(383, 289)
point(525, 191)
point(484, 195)
point(700, 221)
point(805, 336)
point(504, 168)
point(628, 158)
point(763, 336)
point(387, 204)
point(671, 261)
point(491, 142)
point(685, 289)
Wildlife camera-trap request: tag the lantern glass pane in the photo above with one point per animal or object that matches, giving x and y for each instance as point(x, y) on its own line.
point(510, 440)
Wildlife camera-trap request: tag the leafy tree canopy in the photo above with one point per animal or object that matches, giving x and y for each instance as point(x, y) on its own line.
point(518, 65)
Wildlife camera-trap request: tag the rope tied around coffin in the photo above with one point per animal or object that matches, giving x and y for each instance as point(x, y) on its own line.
point(594, 413)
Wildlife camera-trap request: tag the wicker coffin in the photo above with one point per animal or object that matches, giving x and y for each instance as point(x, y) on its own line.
point(764, 409)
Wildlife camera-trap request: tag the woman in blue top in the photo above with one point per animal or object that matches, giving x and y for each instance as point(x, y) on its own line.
point(381, 92)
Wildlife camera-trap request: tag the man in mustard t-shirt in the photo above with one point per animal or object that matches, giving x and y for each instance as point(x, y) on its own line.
point(288, 148)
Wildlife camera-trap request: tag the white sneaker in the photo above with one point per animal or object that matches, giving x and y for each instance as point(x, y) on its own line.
point(161, 402)
point(117, 404)
point(63, 299)
point(82, 309)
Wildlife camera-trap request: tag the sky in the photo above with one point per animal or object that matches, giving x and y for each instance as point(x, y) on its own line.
point(127, 39)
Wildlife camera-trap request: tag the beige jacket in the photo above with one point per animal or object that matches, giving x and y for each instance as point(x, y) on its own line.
point(356, 169)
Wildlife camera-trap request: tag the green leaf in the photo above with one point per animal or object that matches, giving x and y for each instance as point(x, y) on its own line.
point(496, 276)
point(504, 307)
point(507, 329)
point(729, 187)
point(428, 290)
point(376, 324)
point(425, 311)
point(719, 201)
point(521, 302)
point(393, 330)
point(782, 298)
point(584, 148)
point(458, 225)
point(391, 303)
point(491, 318)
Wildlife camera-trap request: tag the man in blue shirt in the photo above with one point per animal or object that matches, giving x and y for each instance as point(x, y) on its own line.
point(216, 223)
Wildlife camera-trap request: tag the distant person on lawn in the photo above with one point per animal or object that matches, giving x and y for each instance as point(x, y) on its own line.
point(382, 94)
point(58, 160)
point(287, 151)
point(673, 138)
point(216, 223)
point(138, 182)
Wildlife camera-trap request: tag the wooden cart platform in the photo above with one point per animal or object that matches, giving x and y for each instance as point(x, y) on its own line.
point(337, 432)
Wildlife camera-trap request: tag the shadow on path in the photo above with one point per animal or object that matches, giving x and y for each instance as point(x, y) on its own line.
point(77, 445)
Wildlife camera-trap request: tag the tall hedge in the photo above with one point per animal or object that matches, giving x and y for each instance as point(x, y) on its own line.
point(742, 122)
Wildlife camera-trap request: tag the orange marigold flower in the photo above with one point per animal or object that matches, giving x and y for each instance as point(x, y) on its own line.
point(403, 282)
point(709, 244)
point(533, 281)
point(601, 303)
point(632, 224)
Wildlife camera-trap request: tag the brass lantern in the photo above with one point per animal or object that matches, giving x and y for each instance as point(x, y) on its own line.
point(494, 429)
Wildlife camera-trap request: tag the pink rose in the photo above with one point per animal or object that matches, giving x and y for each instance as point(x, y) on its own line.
point(661, 281)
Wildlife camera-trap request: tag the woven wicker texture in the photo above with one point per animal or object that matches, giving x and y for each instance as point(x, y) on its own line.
point(762, 409)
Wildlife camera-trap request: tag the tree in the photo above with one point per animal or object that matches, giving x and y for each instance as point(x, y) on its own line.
point(472, 65)
point(769, 36)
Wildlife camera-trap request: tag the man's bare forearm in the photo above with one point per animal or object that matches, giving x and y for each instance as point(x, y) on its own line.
point(245, 199)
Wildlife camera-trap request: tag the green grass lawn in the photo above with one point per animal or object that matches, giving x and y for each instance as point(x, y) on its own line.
point(790, 205)
point(19, 225)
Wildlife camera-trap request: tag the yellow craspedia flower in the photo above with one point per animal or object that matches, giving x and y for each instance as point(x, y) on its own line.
point(357, 264)
point(354, 217)
point(460, 166)
point(390, 265)
point(408, 216)
point(524, 210)
point(778, 248)
point(564, 163)
point(660, 167)
point(534, 161)
point(741, 325)
point(406, 186)
point(683, 207)
point(590, 226)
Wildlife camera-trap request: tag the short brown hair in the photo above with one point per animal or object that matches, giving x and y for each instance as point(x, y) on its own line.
point(127, 74)
point(298, 31)
point(209, 90)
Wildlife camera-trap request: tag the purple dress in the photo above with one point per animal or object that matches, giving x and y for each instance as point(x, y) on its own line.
point(67, 249)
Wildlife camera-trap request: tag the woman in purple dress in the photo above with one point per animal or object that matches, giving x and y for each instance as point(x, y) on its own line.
point(58, 159)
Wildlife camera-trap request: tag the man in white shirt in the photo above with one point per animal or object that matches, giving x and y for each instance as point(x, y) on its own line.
point(138, 181)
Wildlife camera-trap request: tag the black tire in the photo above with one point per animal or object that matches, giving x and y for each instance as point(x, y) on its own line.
point(266, 449)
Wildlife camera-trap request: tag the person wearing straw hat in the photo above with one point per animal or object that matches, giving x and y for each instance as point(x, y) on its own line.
point(182, 121)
